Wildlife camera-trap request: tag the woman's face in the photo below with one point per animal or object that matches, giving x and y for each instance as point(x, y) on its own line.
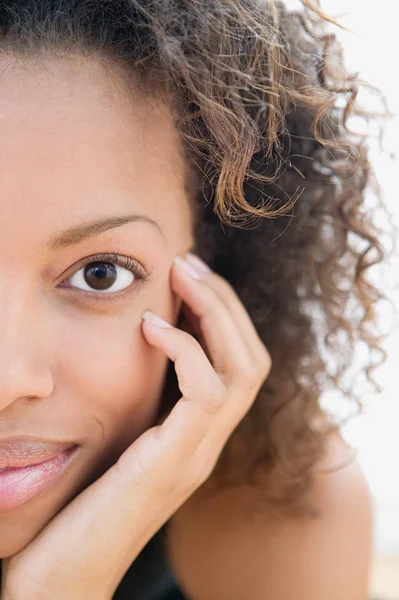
point(79, 145)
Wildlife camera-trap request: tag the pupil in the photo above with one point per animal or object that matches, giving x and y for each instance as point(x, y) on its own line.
point(100, 275)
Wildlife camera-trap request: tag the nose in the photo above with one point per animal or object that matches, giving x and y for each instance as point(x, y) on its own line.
point(24, 370)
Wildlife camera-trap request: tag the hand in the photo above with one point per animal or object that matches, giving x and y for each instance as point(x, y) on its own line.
point(85, 550)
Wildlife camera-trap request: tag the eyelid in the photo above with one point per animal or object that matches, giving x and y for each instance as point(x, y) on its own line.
point(110, 256)
point(113, 257)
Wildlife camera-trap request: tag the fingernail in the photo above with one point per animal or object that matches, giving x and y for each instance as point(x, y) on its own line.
point(153, 318)
point(178, 260)
point(197, 262)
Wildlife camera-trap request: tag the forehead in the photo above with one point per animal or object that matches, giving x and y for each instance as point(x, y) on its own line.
point(79, 140)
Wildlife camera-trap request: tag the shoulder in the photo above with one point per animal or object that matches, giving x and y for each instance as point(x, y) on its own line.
point(220, 546)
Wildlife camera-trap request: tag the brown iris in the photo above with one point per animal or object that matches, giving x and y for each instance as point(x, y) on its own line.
point(100, 275)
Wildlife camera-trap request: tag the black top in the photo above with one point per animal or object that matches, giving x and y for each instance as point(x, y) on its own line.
point(149, 576)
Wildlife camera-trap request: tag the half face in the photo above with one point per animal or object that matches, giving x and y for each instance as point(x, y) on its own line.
point(79, 145)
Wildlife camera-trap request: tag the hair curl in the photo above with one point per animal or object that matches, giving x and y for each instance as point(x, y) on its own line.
point(260, 97)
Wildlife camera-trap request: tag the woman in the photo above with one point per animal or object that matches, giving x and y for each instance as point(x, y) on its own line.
point(132, 133)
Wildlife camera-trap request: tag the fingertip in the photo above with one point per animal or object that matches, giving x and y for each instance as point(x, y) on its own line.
point(154, 320)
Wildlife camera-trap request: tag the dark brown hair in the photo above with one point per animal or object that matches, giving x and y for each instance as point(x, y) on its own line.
point(261, 98)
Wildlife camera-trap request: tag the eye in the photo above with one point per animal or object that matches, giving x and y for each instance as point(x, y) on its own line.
point(106, 275)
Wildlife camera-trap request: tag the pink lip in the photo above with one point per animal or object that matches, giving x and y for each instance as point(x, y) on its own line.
point(18, 485)
point(21, 451)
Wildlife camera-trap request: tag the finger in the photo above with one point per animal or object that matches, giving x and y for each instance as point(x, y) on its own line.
point(228, 351)
point(208, 411)
point(236, 308)
point(197, 379)
point(189, 322)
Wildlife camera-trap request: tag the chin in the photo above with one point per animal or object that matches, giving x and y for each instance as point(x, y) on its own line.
point(9, 548)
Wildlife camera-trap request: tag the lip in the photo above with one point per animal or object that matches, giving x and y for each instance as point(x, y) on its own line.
point(19, 485)
point(24, 451)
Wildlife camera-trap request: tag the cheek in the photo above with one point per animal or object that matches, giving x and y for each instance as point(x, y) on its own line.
point(107, 366)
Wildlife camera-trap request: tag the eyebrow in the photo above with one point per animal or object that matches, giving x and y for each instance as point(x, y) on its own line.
point(78, 233)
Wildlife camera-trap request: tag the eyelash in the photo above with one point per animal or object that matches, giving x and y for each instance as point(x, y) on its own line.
point(117, 259)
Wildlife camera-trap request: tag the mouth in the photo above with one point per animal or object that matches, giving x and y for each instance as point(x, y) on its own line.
point(19, 484)
point(23, 451)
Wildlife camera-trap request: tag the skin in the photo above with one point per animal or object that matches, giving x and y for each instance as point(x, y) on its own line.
point(92, 371)
point(78, 144)
point(248, 551)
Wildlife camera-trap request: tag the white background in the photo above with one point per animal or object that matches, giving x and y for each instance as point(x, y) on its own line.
point(372, 51)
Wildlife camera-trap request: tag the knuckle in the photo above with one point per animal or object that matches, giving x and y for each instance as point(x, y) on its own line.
point(214, 400)
point(266, 363)
point(251, 373)
point(254, 373)
point(219, 392)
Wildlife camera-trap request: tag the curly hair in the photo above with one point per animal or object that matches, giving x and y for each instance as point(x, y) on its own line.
point(261, 98)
